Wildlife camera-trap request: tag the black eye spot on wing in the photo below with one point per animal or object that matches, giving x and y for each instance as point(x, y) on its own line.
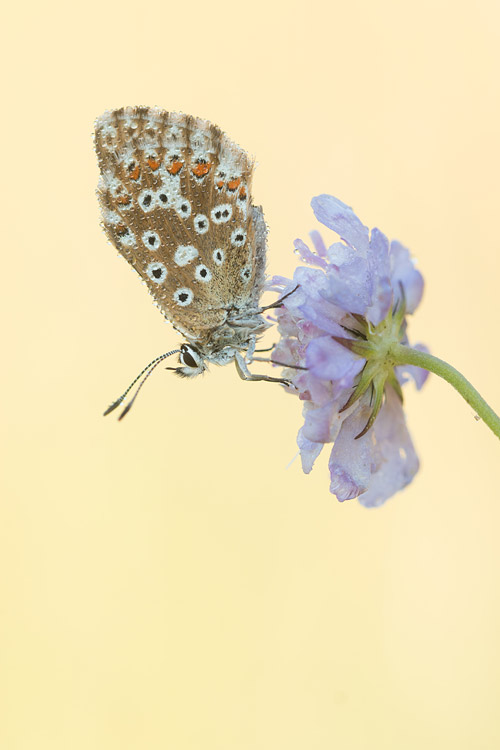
point(222, 213)
point(151, 240)
point(163, 197)
point(200, 224)
point(183, 296)
point(147, 200)
point(238, 237)
point(157, 272)
point(218, 256)
point(202, 273)
point(183, 208)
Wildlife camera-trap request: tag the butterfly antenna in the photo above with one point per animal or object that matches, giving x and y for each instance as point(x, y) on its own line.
point(149, 367)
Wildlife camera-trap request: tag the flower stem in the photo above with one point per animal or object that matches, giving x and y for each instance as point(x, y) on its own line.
point(405, 355)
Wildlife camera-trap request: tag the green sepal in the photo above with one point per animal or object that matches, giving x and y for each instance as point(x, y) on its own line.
point(378, 384)
point(365, 380)
point(394, 382)
point(360, 347)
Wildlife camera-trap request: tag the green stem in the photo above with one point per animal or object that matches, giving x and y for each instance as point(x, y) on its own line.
point(405, 355)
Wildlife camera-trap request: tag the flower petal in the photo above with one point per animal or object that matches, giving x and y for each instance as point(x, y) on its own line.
point(351, 460)
point(313, 283)
point(321, 424)
point(309, 451)
point(380, 268)
point(328, 360)
point(396, 461)
point(350, 284)
point(279, 284)
point(341, 218)
point(403, 272)
point(318, 243)
point(287, 350)
point(324, 316)
point(305, 254)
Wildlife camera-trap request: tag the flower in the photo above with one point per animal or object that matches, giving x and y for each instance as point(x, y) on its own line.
point(348, 308)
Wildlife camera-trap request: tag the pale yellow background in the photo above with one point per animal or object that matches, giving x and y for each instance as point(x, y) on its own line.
point(167, 582)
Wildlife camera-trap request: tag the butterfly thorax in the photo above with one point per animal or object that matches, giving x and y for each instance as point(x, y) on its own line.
point(233, 340)
point(238, 333)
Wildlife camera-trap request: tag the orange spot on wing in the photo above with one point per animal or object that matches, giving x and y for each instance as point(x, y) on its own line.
point(200, 170)
point(175, 167)
point(242, 194)
point(134, 174)
point(153, 163)
point(233, 184)
point(220, 184)
point(123, 200)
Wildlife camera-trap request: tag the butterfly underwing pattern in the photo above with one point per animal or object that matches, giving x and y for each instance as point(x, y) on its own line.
point(176, 202)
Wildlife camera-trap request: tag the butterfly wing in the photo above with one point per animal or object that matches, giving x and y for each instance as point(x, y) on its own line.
point(175, 194)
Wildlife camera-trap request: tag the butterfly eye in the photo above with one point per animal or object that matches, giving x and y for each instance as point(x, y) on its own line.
point(186, 357)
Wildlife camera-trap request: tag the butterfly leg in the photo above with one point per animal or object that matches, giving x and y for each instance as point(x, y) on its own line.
point(245, 373)
point(280, 301)
point(251, 349)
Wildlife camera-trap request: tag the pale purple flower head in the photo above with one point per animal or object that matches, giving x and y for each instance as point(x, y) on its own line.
point(351, 300)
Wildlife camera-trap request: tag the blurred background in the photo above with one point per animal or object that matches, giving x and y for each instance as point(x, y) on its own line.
point(171, 581)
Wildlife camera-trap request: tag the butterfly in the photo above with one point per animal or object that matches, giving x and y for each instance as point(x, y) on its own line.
point(176, 201)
